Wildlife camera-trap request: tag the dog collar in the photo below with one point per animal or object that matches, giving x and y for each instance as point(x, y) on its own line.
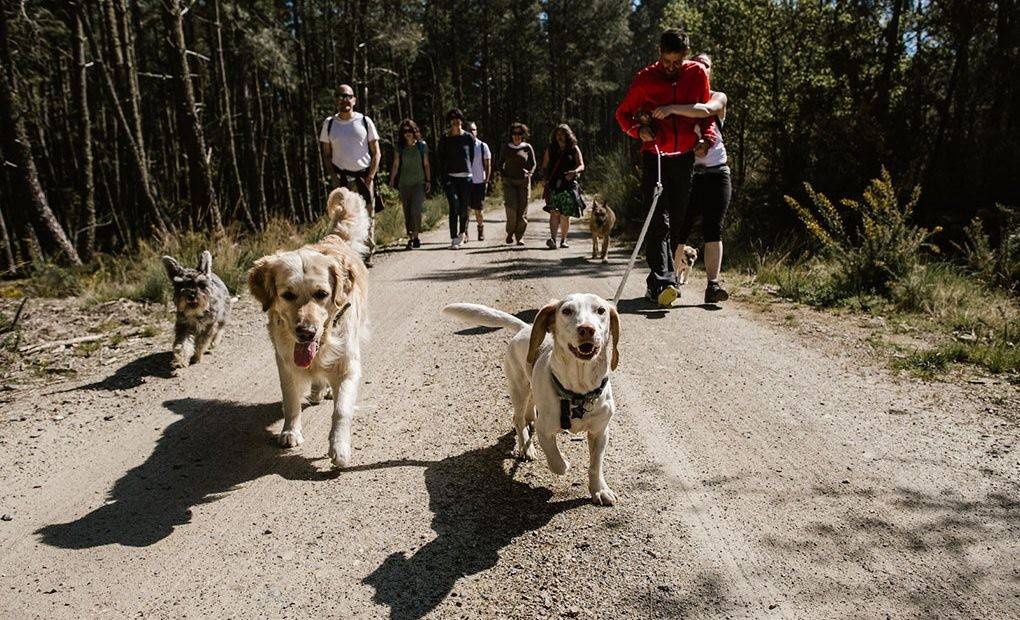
point(574, 405)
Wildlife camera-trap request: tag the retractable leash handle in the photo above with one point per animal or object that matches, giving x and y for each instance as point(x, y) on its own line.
point(644, 228)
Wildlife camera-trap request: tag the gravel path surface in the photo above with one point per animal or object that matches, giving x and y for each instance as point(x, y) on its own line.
point(759, 476)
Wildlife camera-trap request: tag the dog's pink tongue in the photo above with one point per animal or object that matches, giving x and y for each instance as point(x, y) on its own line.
point(304, 352)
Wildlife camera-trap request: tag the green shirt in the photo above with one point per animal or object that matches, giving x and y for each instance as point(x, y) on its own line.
point(412, 170)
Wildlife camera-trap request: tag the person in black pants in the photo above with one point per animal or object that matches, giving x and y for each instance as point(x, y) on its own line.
point(456, 153)
point(645, 113)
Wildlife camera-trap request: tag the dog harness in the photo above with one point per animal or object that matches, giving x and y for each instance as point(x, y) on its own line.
point(574, 405)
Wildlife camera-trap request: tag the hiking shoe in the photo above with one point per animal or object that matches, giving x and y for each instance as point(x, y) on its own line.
point(668, 295)
point(463, 238)
point(416, 243)
point(519, 242)
point(509, 239)
point(563, 243)
point(550, 243)
point(455, 243)
point(410, 244)
point(481, 232)
point(715, 293)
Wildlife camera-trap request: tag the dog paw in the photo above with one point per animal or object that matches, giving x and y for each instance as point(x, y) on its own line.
point(340, 455)
point(179, 361)
point(559, 468)
point(291, 439)
point(604, 497)
point(526, 455)
point(196, 358)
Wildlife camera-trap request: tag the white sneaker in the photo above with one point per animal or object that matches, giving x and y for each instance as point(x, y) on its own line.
point(455, 243)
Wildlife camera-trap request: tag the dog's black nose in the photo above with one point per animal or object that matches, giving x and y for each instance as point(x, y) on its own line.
point(304, 334)
point(585, 331)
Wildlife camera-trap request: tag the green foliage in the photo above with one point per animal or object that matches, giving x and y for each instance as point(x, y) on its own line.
point(886, 244)
point(997, 266)
point(618, 183)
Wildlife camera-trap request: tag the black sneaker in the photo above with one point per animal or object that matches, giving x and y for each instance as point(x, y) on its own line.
point(715, 293)
point(410, 244)
point(509, 239)
point(416, 243)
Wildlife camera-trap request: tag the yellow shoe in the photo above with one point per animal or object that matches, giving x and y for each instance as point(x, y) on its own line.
point(668, 295)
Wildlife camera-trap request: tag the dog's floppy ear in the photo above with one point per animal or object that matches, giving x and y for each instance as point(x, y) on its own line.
point(205, 263)
point(541, 327)
point(614, 330)
point(173, 268)
point(260, 282)
point(343, 280)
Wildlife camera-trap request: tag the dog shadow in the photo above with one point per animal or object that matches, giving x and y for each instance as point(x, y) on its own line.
point(134, 373)
point(641, 306)
point(215, 447)
point(478, 508)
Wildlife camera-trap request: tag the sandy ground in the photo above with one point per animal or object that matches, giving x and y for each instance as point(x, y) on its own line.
point(761, 475)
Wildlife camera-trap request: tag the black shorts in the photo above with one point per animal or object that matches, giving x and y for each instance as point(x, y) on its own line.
point(477, 195)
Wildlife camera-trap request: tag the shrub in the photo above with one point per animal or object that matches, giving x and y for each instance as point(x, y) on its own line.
point(883, 247)
point(997, 266)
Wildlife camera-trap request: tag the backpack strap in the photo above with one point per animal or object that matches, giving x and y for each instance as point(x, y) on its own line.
point(329, 127)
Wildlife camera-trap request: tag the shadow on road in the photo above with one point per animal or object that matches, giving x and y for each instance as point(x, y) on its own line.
point(214, 447)
point(134, 373)
point(478, 509)
point(938, 552)
point(528, 316)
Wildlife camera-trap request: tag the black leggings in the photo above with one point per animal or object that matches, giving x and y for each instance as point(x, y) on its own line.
point(661, 240)
point(710, 197)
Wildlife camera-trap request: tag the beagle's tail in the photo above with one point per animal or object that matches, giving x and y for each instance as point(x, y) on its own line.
point(348, 218)
point(483, 316)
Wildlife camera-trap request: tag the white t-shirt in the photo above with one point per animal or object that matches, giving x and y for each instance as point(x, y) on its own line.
point(349, 140)
point(482, 153)
point(716, 155)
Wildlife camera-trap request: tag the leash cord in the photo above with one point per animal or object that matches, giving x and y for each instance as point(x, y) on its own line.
point(644, 228)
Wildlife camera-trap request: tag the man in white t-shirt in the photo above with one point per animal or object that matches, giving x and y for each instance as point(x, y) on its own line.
point(350, 149)
point(481, 173)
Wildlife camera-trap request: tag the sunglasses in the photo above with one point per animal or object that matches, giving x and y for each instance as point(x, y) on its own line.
point(410, 131)
point(517, 133)
point(345, 96)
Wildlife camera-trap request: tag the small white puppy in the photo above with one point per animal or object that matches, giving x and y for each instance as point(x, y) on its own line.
point(684, 260)
point(559, 368)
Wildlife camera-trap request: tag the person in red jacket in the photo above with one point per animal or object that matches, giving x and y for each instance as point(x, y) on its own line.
point(670, 80)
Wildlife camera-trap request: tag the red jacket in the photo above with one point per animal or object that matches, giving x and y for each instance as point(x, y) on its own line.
point(653, 88)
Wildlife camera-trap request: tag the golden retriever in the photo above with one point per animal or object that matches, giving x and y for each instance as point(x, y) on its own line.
point(316, 300)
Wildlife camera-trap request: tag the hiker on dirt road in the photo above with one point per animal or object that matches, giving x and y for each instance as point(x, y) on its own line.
point(517, 164)
point(670, 80)
point(350, 143)
point(481, 173)
point(455, 154)
point(562, 163)
point(411, 176)
point(711, 188)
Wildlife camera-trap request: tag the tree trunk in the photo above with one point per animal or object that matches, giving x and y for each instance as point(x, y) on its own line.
point(136, 148)
point(9, 265)
point(81, 96)
point(228, 115)
point(19, 149)
point(203, 197)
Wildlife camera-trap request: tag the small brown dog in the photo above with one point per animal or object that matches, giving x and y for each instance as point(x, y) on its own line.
point(684, 260)
point(601, 223)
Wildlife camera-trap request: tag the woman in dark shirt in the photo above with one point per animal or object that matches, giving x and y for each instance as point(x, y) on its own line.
point(455, 152)
point(562, 163)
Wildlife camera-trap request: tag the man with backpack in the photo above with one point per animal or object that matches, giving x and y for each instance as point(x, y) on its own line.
point(350, 146)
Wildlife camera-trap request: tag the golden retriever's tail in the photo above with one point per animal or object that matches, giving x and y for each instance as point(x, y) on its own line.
point(484, 316)
point(348, 218)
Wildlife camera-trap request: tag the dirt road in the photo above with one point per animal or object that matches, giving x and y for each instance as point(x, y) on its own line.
point(759, 475)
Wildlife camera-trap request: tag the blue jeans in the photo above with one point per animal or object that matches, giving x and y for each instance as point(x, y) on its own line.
point(458, 194)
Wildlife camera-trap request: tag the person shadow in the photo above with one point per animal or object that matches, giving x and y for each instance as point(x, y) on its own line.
point(478, 508)
point(215, 447)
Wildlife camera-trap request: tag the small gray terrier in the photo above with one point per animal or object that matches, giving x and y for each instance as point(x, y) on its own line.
point(203, 306)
